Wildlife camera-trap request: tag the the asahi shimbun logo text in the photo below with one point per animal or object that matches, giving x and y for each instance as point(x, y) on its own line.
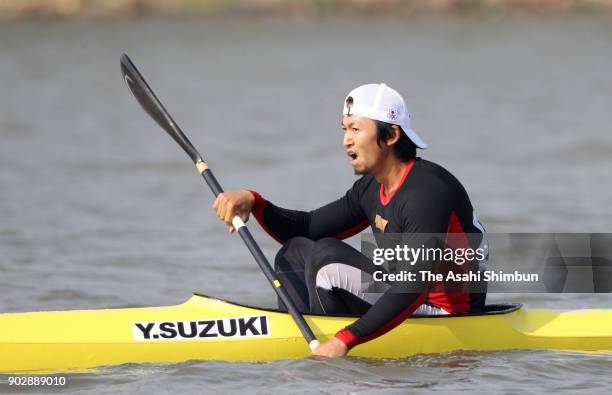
point(254, 326)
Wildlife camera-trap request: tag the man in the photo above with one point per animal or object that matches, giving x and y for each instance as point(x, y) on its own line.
point(398, 194)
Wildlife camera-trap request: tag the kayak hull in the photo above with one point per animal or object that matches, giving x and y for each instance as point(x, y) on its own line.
point(205, 328)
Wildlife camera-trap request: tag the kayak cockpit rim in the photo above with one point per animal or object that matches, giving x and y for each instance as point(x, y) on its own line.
point(492, 309)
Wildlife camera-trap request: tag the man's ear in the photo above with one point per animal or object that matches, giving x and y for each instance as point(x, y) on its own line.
point(396, 135)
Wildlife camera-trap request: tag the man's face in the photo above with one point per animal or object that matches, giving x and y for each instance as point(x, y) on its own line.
point(360, 143)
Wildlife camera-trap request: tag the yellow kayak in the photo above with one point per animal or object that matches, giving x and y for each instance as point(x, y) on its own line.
point(205, 328)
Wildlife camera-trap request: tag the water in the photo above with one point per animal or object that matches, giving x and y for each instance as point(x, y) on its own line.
point(100, 208)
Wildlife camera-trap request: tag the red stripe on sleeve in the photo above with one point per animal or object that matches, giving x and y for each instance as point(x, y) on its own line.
point(257, 210)
point(352, 231)
point(346, 337)
point(350, 340)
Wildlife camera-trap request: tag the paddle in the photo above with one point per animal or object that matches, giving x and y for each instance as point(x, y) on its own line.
point(151, 104)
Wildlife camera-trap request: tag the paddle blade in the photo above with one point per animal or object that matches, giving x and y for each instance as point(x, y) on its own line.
point(151, 104)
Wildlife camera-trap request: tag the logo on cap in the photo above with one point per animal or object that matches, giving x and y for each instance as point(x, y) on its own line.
point(392, 115)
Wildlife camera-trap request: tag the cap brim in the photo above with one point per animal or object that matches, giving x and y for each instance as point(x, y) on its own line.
point(415, 139)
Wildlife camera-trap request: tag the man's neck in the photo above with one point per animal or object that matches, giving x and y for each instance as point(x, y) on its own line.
point(391, 174)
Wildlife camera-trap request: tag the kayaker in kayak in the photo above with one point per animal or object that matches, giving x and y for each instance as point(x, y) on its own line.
point(399, 193)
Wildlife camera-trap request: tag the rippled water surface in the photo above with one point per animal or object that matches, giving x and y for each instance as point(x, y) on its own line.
point(100, 208)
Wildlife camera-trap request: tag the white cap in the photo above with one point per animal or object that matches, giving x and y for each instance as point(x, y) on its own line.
point(381, 103)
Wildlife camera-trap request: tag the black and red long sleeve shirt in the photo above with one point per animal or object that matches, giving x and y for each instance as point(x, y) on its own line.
point(428, 200)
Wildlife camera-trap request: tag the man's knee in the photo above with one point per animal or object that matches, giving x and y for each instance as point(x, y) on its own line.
point(327, 250)
point(293, 252)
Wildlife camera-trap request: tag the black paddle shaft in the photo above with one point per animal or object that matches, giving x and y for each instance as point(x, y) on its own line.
point(153, 106)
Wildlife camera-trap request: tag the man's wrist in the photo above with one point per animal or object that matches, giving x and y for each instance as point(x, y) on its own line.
point(346, 337)
point(258, 202)
point(250, 196)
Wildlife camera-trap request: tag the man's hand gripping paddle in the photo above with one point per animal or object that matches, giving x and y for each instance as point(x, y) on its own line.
point(151, 104)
